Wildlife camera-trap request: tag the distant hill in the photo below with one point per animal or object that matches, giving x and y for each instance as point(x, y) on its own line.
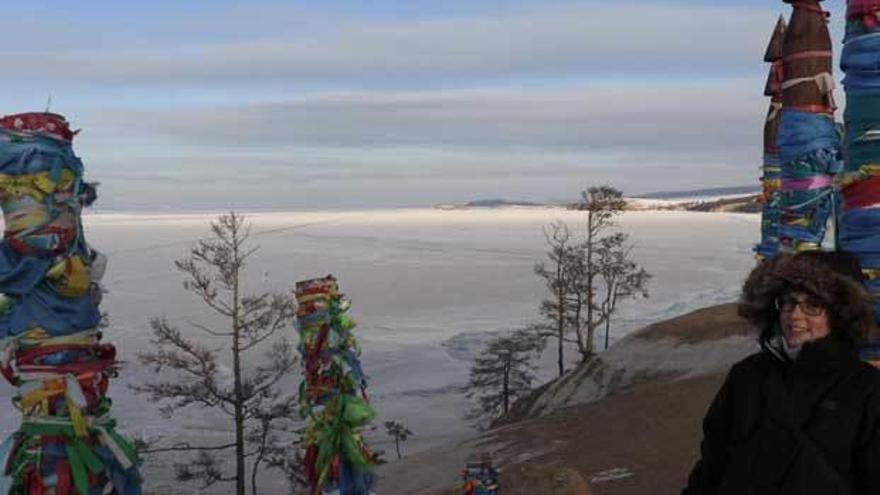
point(739, 199)
point(742, 204)
point(698, 193)
point(487, 203)
point(495, 203)
point(725, 204)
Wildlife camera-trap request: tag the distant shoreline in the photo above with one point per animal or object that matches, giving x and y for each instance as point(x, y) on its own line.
point(733, 203)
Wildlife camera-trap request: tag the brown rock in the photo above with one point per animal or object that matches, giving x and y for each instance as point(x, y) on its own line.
point(530, 479)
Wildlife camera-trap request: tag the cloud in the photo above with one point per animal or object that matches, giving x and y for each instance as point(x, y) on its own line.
point(659, 117)
point(417, 147)
point(584, 40)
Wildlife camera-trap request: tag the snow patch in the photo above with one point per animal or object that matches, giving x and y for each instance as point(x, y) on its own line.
point(611, 475)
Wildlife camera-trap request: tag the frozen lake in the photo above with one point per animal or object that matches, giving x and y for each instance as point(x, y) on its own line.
point(417, 278)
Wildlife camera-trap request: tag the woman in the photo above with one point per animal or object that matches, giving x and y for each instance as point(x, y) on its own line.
point(802, 416)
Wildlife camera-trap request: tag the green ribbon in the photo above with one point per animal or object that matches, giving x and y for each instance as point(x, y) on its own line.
point(340, 437)
point(356, 411)
point(81, 456)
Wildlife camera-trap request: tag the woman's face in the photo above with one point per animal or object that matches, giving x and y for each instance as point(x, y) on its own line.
point(802, 317)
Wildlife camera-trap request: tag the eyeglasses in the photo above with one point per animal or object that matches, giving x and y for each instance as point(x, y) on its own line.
point(809, 305)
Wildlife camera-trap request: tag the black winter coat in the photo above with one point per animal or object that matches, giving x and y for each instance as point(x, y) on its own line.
point(808, 426)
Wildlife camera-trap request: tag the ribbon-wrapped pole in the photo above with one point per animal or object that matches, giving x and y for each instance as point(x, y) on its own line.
point(51, 345)
point(771, 180)
point(333, 397)
point(808, 140)
point(860, 220)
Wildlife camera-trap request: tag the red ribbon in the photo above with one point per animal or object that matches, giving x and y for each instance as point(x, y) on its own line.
point(808, 54)
point(812, 108)
point(811, 8)
point(305, 309)
point(34, 481)
point(862, 194)
point(65, 478)
point(309, 461)
point(100, 351)
point(73, 369)
point(9, 373)
point(315, 351)
point(65, 237)
point(49, 123)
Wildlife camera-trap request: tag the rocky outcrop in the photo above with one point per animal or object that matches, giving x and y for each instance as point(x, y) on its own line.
point(546, 480)
point(703, 342)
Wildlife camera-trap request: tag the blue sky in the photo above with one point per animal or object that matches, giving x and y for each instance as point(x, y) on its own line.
point(349, 104)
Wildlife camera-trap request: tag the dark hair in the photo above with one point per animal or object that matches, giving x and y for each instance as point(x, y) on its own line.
point(833, 278)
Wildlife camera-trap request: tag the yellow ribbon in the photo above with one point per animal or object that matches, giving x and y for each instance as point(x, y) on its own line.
point(36, 185)
point(70, 276)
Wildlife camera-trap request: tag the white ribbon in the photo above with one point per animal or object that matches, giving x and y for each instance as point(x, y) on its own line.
point(775, 107)
point(825, 82)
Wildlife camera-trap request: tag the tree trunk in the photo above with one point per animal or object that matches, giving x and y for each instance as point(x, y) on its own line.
point(505, 391)
point(612, 304)
point(265, 425)
point(578, 309)
point(397, 445)
point(560, 313)
point(560, 352)
point(590, 277)
point(607, 330)
point(239, 419)
point(236, 371)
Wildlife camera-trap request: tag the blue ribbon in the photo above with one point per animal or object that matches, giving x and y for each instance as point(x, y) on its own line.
point(810, 138)
point(36, 153)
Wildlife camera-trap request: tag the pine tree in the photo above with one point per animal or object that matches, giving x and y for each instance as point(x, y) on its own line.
point(503, 372)
point(189, 370)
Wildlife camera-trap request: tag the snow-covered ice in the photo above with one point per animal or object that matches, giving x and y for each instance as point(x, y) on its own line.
point(418, 278)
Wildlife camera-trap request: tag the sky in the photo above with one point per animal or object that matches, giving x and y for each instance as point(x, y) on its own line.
point(343, 104)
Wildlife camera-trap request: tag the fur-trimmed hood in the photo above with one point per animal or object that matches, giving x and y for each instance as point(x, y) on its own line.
point(834, 278)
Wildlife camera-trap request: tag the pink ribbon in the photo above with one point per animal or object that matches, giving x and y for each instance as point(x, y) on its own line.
point(816, 182)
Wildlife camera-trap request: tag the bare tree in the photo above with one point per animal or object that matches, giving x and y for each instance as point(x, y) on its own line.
point(587, 276)
point(622, 278)
point(189, 370)
point(503, 372)
point(399, 432)
point(602, 204)
point(557, 278)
